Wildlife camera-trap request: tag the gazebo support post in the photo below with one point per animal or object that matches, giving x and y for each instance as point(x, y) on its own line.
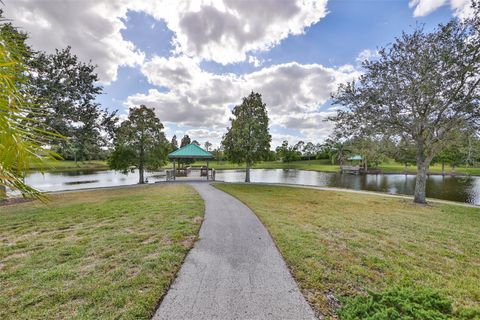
point(174, 170)
point(207, 170)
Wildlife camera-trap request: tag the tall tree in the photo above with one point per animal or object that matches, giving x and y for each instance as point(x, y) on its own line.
point(248, 140)
point(21, 142)
point(423, 89)
point(185, 141)
point(309, 150)
point(140, 142)
point(207, 145)
point(174, 143)
point(65, 88)
point(289, 153)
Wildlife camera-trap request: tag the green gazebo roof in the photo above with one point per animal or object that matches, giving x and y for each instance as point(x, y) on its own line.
point(355, 158)
point(190, 151)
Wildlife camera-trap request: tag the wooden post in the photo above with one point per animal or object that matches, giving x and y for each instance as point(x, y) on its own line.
point(174, 171)
point(207, 170)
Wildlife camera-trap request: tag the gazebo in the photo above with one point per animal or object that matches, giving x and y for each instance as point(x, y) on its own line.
point(189, 152)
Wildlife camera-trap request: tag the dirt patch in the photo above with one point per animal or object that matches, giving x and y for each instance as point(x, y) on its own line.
point(197, 219)
point(188, 241)
point(10, 201)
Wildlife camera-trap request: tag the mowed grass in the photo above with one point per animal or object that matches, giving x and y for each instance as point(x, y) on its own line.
point(103, 254)
point(67, 165)
point(314, 165)
point(326, 165)
point(344, 244)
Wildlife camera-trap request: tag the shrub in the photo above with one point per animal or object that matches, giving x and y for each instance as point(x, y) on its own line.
point(398, 303)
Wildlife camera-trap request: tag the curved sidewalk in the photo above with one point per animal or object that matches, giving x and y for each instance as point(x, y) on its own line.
point(234, 271)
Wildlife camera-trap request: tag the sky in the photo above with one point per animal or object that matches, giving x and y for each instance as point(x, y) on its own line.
point(193, 61)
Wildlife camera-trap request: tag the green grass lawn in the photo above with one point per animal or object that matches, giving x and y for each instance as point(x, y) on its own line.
point(344, 243)
point(326, 166)
point(67, 165)
point(104, 254)
point(315, 165)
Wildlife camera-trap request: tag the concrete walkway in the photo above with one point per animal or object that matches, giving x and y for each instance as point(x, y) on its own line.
point(234, 271)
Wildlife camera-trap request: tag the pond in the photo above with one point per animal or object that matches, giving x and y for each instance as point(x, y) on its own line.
point(463, 189)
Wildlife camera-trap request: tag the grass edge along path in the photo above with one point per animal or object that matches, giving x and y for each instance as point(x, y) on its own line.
point(339, 245)
point(95, 254)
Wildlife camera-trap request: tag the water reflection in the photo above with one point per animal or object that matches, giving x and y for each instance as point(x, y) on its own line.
point(464, 189)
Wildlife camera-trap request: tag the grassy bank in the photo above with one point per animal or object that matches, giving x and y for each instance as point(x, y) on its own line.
point(326, 166)
point(66, 165)
point(344, 244)
point(95, 254)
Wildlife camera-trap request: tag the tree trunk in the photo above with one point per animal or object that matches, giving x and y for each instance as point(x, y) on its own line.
point(421, 182)
point(247, 173)
point(443, 168)
point(3, 192)
point(406, 168)
point(141, 179)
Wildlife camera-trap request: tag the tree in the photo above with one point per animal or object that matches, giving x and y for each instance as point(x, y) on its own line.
point(248, 140)
point(337, 150)
point(21, 142)
point(140, 142)
point(309, 150)
point(423, 89)
point(289, 153)
point(405, 153)
point(185, 141)
point(65, 89)
point(195, 142)
point(174, 143)
point(207, 145)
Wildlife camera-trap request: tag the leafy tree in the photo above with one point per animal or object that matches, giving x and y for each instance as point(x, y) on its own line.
point(248, 140)
point(174, 143)
point(289, 153)
point(373, 151)
point(207, 145)
point(66, 88)
point(405, 153)
point(423, 89)
point(185, 141)
point(338, 151)
point(21, 142)
point(309, 150)
point(140, 142)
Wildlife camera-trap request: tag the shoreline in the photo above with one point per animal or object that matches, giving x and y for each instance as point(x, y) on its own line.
point(365, 192)
point(448, 174)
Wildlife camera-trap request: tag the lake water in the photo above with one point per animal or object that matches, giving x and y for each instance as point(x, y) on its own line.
point(463, 189)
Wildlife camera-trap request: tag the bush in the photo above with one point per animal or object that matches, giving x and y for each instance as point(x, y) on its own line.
point(398, 303)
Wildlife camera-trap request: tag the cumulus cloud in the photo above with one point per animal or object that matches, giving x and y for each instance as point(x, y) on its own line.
point(366, 54)
point(461, 8)
point(223, 31)
point(293, 93)
point(92, 28)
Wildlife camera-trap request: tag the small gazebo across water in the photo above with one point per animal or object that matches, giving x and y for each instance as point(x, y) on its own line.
point(189, 152)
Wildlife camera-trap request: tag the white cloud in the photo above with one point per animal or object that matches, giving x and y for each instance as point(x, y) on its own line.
point(422, 8)
point(366, 54)
point(223, 31)
point(92, 29)
point(292, 92)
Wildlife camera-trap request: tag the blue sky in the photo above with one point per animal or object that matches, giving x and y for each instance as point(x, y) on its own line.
point(193, 61)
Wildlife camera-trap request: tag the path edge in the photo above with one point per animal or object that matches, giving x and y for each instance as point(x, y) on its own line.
point(316, 312)
point(177, 271)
